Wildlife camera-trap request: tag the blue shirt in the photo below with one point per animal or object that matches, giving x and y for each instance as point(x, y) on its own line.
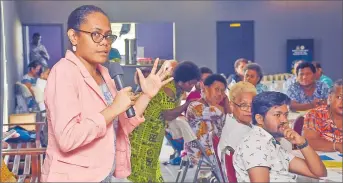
point(296, 93)
point(31, 103)
point(325, 79)
point(29, 79)
point(261, 88)
point(289, 82)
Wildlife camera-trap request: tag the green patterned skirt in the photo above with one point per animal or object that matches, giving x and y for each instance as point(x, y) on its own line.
point(146, 144)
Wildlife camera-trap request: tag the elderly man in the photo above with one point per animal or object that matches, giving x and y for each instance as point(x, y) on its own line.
point(307, 93)
point(323, 125)
point(260, 157)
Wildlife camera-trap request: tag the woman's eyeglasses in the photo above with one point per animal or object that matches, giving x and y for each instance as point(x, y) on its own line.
point(98, 37)
point(243, 107)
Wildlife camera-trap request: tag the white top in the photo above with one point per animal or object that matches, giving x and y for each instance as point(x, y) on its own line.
point(259, 148)
point(232, 134)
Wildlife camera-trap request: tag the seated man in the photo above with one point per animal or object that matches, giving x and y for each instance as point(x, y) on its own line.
point(260, 157)
point(320, 75)
point(237, 126)
point(307, 93)
point(323, 125)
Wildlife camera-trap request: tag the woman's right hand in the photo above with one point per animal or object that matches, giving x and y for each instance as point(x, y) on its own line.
point(123, 100)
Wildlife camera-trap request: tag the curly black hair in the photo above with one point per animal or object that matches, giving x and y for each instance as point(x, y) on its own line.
point(186, 71)
point(215, 77)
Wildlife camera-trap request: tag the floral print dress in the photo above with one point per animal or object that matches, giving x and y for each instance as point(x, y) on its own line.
point(203, 119)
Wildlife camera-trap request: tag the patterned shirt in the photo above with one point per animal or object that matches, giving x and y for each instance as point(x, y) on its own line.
point(234, 132)
point(203, 120)
point(109, 99)
point(319, 120)
point(296, 93)
point(29, 79)
point(289, 82)
point(259, 148)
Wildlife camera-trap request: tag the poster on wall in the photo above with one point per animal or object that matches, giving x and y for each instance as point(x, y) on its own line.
point(299, 49)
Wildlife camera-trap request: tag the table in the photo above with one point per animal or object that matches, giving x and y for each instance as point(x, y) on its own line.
point(334, 174)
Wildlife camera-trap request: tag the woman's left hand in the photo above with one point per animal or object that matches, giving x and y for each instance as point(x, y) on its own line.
point(154, 82)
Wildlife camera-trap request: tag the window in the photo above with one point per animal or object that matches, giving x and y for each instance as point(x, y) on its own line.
point(119, 44)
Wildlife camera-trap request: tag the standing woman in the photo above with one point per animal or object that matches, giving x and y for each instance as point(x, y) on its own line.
point(88, 127)
point(146, 140)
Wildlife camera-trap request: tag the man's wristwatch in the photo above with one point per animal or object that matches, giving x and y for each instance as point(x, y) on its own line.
point(303, 145)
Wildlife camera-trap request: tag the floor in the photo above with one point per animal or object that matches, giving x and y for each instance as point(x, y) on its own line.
point(169, 172)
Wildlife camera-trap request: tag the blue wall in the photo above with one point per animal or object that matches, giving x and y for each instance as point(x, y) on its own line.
point(195, 25)
point(156, 38)
point(277, 21)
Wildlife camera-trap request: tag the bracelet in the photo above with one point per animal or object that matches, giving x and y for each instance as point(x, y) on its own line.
point(303, 145)
point(334, 146)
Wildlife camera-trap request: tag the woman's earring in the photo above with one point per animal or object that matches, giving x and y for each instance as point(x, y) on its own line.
point(74, 48)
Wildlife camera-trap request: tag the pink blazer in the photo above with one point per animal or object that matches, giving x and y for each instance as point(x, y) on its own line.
point(81, 146)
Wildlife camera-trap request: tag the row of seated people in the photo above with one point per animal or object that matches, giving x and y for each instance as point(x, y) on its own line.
point(253, 135)
point(308, 87)
point(198, 116)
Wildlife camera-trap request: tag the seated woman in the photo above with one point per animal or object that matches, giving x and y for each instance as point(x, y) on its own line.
point(253, 74)
point(323, 125)
point(30, 80)
point(239, 71)
point(307, 93)
point(206, 115)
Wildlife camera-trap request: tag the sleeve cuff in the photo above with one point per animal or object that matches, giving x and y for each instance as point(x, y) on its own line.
point(99, 120)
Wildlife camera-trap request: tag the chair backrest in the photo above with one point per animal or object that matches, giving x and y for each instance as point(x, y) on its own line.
point(214, 144)
point(298, 125)
point(227, 165)
point(22, 89)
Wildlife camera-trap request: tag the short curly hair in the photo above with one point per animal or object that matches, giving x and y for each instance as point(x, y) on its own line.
point(215, 77)
point(255, 67)
point(186, 71)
